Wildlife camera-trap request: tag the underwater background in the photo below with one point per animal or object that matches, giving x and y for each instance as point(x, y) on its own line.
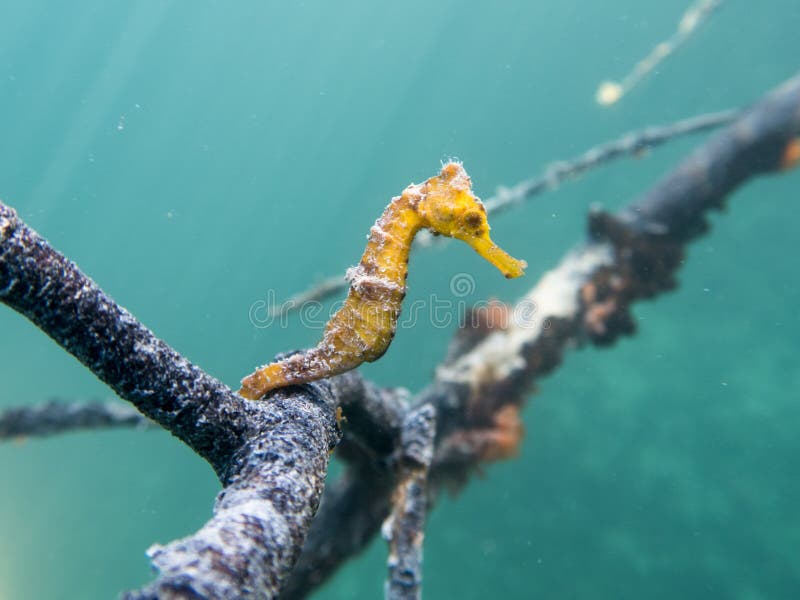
point(195, 158)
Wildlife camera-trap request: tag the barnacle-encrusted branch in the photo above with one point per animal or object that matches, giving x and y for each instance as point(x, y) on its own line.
point(51, 291)
point(261, 517)
point(631, 256)
point(270, 457)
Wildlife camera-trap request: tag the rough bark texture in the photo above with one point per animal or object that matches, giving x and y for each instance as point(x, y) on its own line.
point(260, 518)
point(51, 291)
point(405, 527)
point(271, 457)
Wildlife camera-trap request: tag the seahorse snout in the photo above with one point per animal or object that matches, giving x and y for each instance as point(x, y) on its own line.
point(509, 266)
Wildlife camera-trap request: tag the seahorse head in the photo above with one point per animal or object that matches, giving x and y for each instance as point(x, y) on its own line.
point(449, 207)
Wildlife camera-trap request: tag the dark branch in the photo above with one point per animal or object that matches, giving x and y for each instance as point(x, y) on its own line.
point(478, 393)
point(405, 527)
point(51, 291)
point(261, 517)
point(373, 418)
point(55, 417)
point(351, 512)
point(270, 456)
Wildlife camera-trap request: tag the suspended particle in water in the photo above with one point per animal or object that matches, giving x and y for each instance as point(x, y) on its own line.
point(608, 93)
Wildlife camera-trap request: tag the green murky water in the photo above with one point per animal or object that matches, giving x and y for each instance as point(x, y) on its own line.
point(194, 156)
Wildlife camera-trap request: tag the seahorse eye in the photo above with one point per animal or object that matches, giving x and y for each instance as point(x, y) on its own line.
point(473, 220)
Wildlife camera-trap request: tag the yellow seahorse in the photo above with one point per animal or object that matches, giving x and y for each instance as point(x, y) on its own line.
point(363, 328)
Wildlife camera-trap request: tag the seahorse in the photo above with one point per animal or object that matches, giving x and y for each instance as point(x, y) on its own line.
point(363, 328)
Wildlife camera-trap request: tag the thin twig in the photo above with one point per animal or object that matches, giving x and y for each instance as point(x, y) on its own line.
point(52, 418)
point(632, 144)
point(610, 92)
point(328, 287)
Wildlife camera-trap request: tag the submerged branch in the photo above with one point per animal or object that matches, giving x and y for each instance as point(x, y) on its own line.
point(52, 418)
point(50, 290)
point(260, 519)
point(404, 530)
point(632, 256)
point(271, 457)
point(633, 144)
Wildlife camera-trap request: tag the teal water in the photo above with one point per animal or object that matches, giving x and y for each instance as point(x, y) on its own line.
point(193, 156)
